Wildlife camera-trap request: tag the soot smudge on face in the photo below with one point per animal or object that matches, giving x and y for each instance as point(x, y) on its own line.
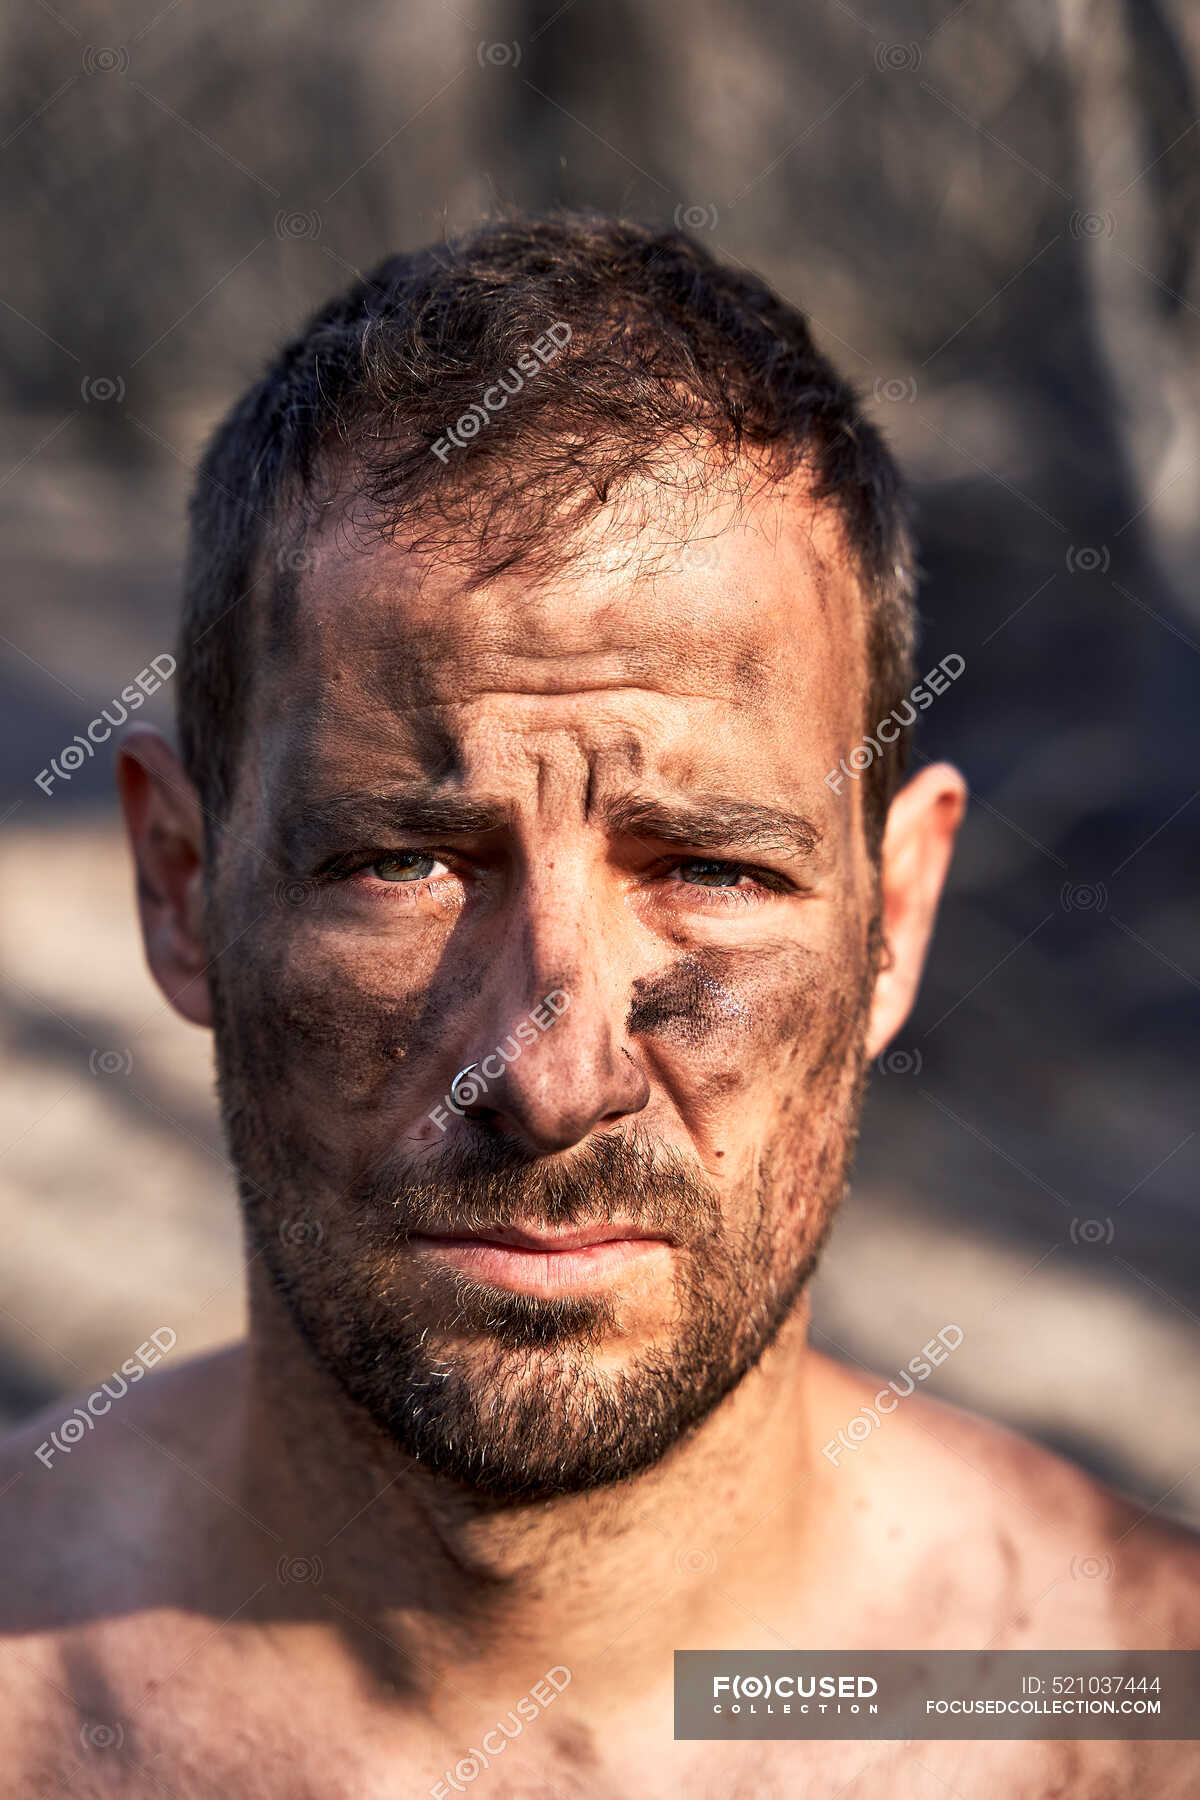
point(766, 997)
point(324, 1023)
point(685, 1000)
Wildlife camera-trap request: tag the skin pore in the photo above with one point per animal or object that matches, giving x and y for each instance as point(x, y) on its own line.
point(608, 785)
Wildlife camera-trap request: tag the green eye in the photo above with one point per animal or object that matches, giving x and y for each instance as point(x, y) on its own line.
point(710, 874)
point(413, 865)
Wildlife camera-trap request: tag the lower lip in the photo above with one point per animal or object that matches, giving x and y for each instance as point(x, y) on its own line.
point(541, 1271)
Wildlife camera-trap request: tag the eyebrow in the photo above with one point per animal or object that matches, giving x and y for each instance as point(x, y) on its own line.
point(706, 822)
point(364, 817)
point(714, 822)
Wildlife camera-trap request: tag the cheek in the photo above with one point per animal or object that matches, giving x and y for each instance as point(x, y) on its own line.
point(333, 1023)
point(780, 1016)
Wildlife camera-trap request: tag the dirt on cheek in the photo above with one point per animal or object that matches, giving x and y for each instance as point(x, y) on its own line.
point(321, 1021)
point(744, 1017)
point(769, 1052)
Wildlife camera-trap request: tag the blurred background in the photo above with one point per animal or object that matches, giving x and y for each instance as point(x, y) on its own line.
point(989, 210)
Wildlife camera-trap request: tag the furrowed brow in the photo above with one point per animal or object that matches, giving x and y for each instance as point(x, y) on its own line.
point(714, 822)
point(341, 820)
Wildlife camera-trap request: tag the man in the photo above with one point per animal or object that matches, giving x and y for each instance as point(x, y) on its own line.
point(520, 858)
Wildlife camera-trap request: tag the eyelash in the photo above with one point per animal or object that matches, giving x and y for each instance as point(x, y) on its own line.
point(767, 882)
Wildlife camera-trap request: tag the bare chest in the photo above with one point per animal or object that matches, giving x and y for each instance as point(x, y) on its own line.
point(252, 1757)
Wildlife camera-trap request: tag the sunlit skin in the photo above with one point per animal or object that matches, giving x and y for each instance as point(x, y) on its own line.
point(623, 806)
point(607, 785)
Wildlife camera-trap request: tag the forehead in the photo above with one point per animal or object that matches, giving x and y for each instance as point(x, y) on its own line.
point(734, 617)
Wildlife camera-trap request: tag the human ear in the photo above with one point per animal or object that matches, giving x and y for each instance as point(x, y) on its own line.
point(918, 839)
point(165, 823)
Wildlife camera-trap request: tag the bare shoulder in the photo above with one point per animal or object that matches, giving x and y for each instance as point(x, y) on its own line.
point(1041, 1553)
point(961, 1534)
point(92, 1494)
point(85, 1488)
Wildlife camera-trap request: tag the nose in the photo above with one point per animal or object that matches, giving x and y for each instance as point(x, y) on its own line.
point(551, 1064)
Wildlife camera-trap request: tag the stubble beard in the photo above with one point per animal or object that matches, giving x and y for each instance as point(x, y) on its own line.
point(509, 1395)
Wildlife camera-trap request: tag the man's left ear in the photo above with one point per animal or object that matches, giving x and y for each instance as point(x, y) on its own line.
point(917, 844)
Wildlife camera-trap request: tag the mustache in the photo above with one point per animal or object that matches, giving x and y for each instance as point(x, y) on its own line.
point(495, 1183)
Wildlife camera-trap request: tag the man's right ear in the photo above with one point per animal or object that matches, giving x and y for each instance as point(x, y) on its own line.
point(165, 822)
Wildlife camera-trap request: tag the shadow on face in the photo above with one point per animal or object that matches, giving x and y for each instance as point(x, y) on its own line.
point(534, 905)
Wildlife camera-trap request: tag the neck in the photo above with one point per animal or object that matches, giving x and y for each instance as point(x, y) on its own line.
point(690, 1553)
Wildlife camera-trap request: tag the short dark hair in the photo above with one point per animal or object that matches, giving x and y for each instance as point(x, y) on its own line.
point(674, 359)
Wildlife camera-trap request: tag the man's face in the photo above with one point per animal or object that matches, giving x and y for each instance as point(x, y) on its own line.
point(605, 788)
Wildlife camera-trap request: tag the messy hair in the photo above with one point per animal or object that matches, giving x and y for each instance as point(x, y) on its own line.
point(668, 368)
